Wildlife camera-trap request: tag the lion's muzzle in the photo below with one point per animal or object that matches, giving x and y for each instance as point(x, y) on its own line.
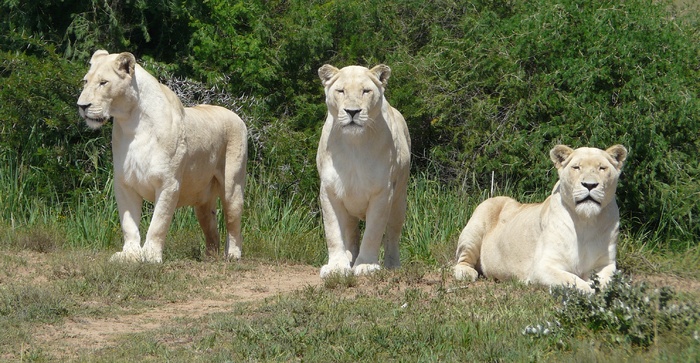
point(588, 198)
point(94, 121)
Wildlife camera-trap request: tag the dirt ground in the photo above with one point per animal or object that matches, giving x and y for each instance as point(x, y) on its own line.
point(261, 281)
point(76, 334)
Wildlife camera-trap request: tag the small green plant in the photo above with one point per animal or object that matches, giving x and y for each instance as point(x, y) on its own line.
point(622, 312)
point(340, 281)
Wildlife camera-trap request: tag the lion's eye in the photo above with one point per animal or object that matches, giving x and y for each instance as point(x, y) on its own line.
point(366, 91)
point(603, 168)
point(576, 167)
point(102, 83)
point(341, 91)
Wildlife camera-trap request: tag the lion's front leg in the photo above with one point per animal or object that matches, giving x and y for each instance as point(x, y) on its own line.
point(605, 274)
point(553, 276)
point(129, 205)
point(164, 208)
point(607, 264)
point(377, 217)
point(336, 221)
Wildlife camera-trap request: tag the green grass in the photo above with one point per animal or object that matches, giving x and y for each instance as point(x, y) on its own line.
point(281, 226)
point(417, 313)
point(54, 269)
point(383, 318)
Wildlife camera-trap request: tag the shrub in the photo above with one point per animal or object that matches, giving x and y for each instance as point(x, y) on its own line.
point(504, 83)
point(485, 88)
point(41, 135)
point(620, 312)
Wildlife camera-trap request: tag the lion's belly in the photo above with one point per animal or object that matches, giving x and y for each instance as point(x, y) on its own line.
point(197, 181)
point(356, 205)
point(199, 188)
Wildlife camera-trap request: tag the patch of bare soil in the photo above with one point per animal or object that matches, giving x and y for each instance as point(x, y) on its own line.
point(78, 334)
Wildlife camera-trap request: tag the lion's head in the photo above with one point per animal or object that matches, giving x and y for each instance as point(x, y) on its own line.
point(354, 95)
point(107, 87)
point(588, 176)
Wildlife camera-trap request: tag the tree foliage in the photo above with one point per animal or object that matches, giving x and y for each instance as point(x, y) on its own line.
point(486, 86)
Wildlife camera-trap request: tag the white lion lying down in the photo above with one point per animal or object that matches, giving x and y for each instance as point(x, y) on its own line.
point(165, 153)
point(562, 241)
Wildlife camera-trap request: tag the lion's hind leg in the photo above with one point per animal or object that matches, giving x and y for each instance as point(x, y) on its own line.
point(232, 200)
point(483, 220)
point(206, 215)
point(233, 211)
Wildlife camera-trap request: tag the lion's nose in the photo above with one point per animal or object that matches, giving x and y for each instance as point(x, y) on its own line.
point(352, 113)
point(589, 186)
point(84, 107)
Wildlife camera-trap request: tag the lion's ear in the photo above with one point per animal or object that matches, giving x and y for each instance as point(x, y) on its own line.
point(618, 153)
point(98, 54)
point(382, 72)
point(326, 72)
point(126, 64)
point(559, 154)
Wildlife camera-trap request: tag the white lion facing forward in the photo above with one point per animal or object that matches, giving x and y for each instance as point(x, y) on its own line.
point(562, 241)
point(165, 153)
point(363, 161)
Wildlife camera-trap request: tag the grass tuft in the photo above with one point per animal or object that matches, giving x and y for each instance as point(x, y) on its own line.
point(340, 281)
point(39, 239)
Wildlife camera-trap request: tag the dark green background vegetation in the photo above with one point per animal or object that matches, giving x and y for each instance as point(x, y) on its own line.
point(486, 86)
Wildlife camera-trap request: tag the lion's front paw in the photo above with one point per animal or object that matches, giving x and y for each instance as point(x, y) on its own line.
point(336, 268)
point(126, 256)
point(233, 253)
point(152, 256)
point(366, 268)
point(464, 272)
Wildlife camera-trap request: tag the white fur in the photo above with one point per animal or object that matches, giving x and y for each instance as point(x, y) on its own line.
point(363, 161)
point(563, 240)
point(165, 153)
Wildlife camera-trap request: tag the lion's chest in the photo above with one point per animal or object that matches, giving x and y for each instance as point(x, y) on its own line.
point(138, 172)
point(357, 184)
point(579, 246)
point(142, 164)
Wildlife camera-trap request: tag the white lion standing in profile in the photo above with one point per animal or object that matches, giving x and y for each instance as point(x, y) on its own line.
point(562, 241)
point(168, 154)
point(363, 161)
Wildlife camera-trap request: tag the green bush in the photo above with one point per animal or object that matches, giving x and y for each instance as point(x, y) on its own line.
point(41, 135)
point(486, 87)
point(621, 312)
point(506, 82)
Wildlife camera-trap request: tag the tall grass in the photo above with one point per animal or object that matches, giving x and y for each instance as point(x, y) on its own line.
point(279, 224)
point(93, 220)
point(18, 182)
point(281, 228)
point(435, 215)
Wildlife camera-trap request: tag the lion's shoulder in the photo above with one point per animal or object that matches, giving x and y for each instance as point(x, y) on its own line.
point(171, 97)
